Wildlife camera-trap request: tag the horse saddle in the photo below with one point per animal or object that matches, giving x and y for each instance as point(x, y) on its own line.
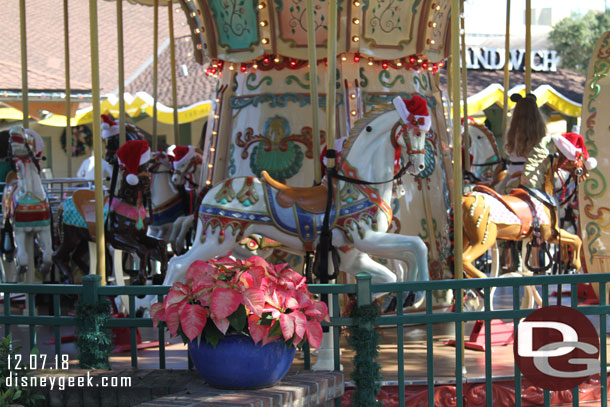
point(310, 199)
point(518, 202)
point(84, 201)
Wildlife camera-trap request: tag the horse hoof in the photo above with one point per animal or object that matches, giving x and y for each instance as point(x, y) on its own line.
point(409, 300)
point(391, 307)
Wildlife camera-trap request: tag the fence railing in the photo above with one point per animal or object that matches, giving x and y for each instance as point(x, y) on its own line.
point(91, 292)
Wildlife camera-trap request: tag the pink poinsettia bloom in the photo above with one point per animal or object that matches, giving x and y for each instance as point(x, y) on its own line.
point(249, 296)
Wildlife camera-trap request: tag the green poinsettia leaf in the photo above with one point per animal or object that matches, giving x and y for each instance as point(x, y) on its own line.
point(212, 334)
point(238, 319)
point(276, 330)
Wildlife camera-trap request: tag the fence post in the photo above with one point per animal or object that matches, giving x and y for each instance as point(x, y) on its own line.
point(94, 340)
point(363, 289)
point(91, 283)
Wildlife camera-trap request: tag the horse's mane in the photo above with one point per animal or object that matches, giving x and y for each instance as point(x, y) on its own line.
point(537, 164)
point(361, 123)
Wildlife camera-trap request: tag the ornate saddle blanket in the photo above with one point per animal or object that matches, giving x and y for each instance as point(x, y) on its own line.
point(294, 219)
point(513, 209)
point(31, 212)
point(79, 210)
point(168, 212)
point(137, 214)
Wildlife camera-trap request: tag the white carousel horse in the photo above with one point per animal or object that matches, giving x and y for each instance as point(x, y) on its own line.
point(188, 175)
point(360, 217)
point(167, 202)
point(26, 204)
point(486, 161)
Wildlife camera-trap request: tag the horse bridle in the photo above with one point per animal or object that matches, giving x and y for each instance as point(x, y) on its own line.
point(191, 165)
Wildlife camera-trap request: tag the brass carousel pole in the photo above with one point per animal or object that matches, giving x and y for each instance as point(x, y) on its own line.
point(25, 108)
point(155, 73)
point(466, 137)
point(68, 89)
point(313, 89)
point(506, 71)
point(331, 95)
point(457, 176)
point(172, 50)
point(528, 46)
point(97, 143)
point(119, 25)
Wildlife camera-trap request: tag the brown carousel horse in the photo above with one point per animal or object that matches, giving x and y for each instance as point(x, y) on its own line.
point(125, 215)
point(529, 211)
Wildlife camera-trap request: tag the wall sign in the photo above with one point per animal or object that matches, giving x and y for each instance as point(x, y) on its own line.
point(493, 59)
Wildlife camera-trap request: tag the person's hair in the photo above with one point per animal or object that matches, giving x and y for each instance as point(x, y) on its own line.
point(527, 126)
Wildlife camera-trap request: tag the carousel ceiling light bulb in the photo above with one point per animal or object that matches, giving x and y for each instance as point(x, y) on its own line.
point(217, 100)
point(193, 14)
point(276, 60)
point(438, 8)
point(197, 30)
point(353, 96)
point(263, 23)
point(208, 182)
point(210, 166)
point(261, 6)
point(419, 60)
point(343, 58)
point(212, 149)
point(265, 40)
point(371, 61)
point(255, 66)
point(432, 42)
point(355, 38)
point(216, 116)
point(214, 133)
point(356, 3)
point(231, 67)
point(356, 21)
point(354, 112)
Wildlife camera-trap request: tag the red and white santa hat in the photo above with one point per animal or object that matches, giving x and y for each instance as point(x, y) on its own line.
point(132, 155)
point(109, 127)
point(572, 146)
point(413, 111)
point(182, 154)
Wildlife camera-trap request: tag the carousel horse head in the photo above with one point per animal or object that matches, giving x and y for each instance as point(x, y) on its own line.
point(110, 134)
point(133, 158)
point(160, 162)
point(486, 163)
point(186, 161)
point(25, 142)
point(411, 137)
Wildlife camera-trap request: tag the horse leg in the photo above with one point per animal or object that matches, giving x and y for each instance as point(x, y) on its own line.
point(566, 238)
point(22, 251)
point(211, 247)
point(355, 261)
point(477, 248)
point(410, 249)
point(46, 246)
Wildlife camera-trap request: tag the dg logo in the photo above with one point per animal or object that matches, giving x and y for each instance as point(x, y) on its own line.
point(557, 348)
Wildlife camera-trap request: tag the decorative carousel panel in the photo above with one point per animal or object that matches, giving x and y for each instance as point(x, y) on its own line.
point(433, 36)
point(388, 27)
point(289, 27)
point(235, 26)
point(270, 125)
point(195, 22)
point(594, 194)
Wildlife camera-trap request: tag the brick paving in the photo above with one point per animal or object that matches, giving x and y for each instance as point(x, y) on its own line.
point(157, 388)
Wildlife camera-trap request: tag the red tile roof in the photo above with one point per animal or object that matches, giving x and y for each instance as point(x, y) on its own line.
point(45, 42)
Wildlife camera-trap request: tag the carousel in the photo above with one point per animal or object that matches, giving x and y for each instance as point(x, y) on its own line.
point(333, 159)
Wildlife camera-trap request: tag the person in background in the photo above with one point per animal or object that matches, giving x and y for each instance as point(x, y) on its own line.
point(527, 128)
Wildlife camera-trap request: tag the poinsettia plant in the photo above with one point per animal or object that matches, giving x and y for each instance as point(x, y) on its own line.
point(252, 297)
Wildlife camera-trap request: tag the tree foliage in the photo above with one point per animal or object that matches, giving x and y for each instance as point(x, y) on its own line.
point(574, 38)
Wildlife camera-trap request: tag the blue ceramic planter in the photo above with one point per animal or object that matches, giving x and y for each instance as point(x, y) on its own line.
point(237, 363)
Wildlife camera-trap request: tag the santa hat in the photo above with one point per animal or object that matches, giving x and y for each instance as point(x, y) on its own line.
point(182, 154)
point(572, 146)
point(109, 127)
point(132, 155)
point(413, 111)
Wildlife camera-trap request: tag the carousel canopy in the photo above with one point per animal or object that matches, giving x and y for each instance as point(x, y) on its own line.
point(246, 30)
